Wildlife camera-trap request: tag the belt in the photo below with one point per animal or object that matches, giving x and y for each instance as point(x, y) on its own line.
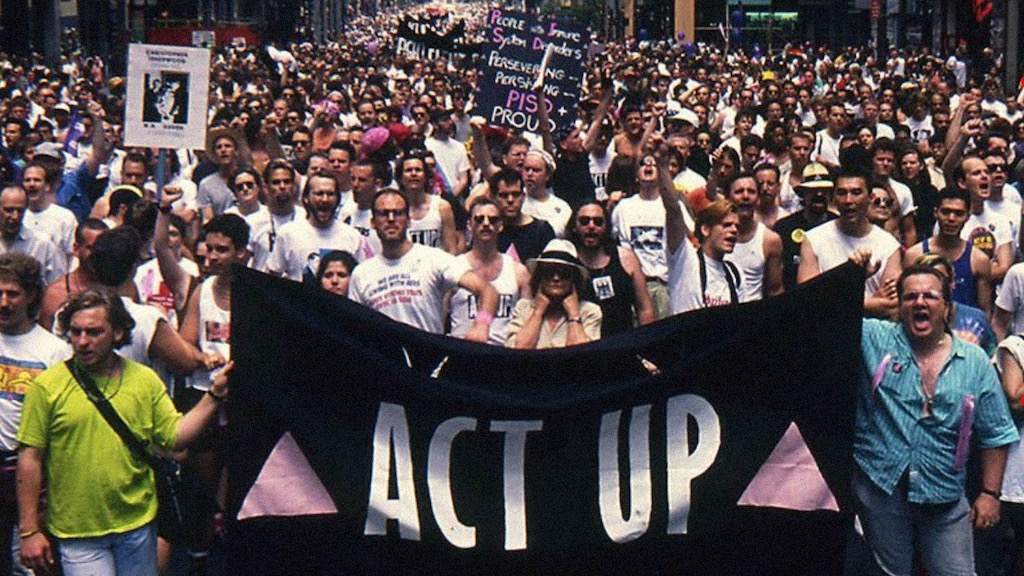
point(654, 279)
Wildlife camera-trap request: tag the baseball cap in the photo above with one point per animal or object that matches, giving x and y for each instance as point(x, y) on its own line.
point(50, 150)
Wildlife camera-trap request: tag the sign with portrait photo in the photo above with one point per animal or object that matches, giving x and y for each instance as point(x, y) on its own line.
point(168, 87)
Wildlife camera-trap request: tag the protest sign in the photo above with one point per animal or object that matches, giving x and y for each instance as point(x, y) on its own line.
point(431, 38)
point(716, 442)
point(511, 60)
point(166, 104)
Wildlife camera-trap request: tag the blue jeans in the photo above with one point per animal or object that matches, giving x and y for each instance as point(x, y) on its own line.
point(127, 554)
point(893, 527)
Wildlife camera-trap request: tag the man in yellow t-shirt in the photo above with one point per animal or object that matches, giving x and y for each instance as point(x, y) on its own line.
point(102, 499)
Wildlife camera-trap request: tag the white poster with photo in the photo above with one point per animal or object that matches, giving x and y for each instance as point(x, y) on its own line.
point(168, 87)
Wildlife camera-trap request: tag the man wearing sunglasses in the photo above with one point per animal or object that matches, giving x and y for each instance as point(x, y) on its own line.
point(926, 397)
point(988, 230)
point(509, 278)
point(407, 281)
point(1003, 198)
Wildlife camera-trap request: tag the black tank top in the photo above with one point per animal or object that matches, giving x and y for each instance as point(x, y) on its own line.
point(611, 288)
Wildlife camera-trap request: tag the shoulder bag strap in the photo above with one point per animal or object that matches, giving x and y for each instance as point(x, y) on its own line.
point(111, 416)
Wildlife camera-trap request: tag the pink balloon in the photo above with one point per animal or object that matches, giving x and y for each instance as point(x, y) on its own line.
point(372, 46)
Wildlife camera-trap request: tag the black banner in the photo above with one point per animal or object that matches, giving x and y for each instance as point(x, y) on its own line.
point(431, 38)
point(511, 59)
point(716, 442)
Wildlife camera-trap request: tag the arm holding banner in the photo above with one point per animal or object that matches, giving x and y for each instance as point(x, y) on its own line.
point(199, 417)
point(487, 297)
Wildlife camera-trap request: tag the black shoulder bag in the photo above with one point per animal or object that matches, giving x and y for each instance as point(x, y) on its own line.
point(167, 471)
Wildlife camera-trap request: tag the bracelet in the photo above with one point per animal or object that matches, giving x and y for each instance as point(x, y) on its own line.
point(993, 493)
point(484, 317)
point(574, 319)
point(215, 397)
point(166, 209)
point(28, 534)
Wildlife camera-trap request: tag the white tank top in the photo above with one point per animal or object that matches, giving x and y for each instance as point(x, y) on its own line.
point(749, 258)
point(463, 303)
point(427, 230)
point(214, 332)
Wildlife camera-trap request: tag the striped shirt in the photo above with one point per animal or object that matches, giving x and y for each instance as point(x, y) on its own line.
point(893, 435)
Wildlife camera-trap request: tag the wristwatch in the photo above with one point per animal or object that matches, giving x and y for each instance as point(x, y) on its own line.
point(993, 493)
point(575, 319)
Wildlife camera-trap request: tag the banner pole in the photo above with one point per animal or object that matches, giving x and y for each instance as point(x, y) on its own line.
point(161, 164)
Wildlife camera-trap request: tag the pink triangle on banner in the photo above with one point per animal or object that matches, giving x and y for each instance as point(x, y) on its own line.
point(790, 479)
point(286, 486)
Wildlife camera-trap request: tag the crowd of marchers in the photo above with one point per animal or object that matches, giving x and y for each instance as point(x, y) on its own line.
point(691, 178)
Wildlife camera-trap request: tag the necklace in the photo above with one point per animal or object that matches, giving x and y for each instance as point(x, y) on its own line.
point(110, 378)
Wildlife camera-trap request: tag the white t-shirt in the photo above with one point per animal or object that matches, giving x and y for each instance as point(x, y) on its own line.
point(553, 210)
point(147, 318)
point(300, 245)
point(263, 229)
point(57, 224)
point(684, 281)
point(409, 289)
point(987, 231)
point(1010, 207)
point(599, 166)
point(1013, 478)
point(451, 157)
point(833, 248)
point(826, 148)
point(22, 358)
point(920, 130)
point(1011, 297)
point(149, 281)
point(904, 197)
point(639, 223)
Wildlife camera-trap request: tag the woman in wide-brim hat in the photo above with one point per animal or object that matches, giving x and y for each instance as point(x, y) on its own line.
point(555, 316)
